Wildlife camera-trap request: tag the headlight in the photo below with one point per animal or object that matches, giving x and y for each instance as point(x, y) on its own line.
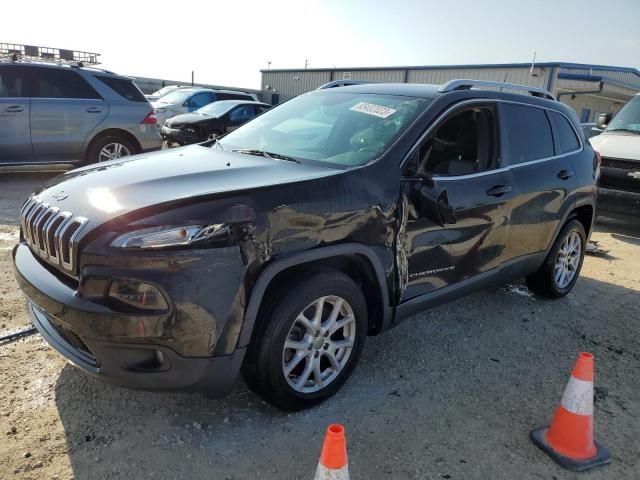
point(160, 110)
point(170, 236)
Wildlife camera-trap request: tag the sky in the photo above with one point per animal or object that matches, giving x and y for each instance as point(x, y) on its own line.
point(227, 43)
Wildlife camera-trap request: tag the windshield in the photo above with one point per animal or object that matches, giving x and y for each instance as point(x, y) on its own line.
point(217, 109)
point(164, 91)
point(177, 97)
point(334, 127)
point(627, 119)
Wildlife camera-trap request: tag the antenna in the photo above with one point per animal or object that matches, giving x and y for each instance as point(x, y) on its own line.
point(533, 62)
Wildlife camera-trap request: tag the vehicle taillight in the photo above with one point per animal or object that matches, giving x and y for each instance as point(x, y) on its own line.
point(150, 119)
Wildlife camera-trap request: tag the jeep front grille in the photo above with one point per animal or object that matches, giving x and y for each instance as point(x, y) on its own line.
point(52, 234)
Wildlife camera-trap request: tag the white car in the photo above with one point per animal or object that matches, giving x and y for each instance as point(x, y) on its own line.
point(619, 147)
point(186, 100)
point(162, 92)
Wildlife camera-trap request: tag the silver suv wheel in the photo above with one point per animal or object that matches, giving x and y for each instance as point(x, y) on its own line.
point(319, 344)
point(568, 260)
point(113, 150)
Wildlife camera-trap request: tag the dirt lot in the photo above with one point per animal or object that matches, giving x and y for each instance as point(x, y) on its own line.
point(450, 394)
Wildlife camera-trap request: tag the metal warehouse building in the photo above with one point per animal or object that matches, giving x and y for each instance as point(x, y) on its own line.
point(589, 89)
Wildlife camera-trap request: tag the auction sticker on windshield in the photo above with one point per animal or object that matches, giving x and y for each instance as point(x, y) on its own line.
point(373, 109)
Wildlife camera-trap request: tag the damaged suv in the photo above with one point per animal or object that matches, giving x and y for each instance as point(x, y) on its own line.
point(276, 249)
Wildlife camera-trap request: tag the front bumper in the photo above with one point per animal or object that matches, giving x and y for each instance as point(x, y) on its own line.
point(181, 136)
point(618, 201)
point(73, 326)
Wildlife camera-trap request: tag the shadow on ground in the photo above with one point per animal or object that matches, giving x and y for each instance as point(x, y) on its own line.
point(451, 393)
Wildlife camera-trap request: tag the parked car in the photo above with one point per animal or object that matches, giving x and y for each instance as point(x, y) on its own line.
point(619, 146)
point(186, 100)
point(210, 121)
point(278, 248)
point(52, 113)
point(162, 92)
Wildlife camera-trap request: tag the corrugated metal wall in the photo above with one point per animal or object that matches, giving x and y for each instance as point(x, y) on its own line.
point(292, 84)
point(289, 84)
point(382, 76)
point(520, 76)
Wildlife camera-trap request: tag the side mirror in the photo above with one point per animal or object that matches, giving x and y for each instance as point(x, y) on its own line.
point(603, 120)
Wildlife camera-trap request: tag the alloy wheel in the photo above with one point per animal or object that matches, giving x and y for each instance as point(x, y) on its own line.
point(111, 151)
point(319, 344)
point(568, 260)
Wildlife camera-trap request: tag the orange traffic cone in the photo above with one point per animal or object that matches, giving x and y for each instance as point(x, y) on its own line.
point(333, 460)
point(569, 440)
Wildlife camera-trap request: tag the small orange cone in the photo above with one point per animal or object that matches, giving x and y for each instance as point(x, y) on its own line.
point(569, 440)
point(333, 460)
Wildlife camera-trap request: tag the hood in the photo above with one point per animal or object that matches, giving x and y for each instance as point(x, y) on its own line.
point(617, 145)
point(186, 118)
point(106, 190)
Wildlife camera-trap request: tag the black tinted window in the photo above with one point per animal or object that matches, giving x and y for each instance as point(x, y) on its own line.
point(528, 133)
point(60, 83)
point(464, 143)
point(12, 82)
point(566, 138)
point(123, 87)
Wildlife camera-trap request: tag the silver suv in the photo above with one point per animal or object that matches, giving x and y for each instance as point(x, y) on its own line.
point(53, 113)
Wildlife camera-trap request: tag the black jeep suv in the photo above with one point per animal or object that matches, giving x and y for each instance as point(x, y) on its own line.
point(278, 248)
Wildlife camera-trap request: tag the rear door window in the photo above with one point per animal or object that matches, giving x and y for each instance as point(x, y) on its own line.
point(12, 82)
point(123, 87)
point(60, 83)
point(528, 133)
point(566, 138)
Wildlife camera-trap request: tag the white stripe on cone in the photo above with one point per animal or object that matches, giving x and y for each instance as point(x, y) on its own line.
point(578, 397)
point(324, 473)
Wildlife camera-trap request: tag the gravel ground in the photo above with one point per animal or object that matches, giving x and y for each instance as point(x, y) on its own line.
point(449, 394)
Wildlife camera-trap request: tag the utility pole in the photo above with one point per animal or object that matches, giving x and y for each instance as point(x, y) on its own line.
point(306, 63)
point(192, 78)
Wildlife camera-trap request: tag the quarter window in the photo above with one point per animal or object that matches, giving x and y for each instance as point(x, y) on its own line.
point(123, 87)
point(60, 83)
point(528, 133)
point(566, 138)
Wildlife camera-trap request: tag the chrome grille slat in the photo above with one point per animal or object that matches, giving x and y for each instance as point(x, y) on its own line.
point(51, 234)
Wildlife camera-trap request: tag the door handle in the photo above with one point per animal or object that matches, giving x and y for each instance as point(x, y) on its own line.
point(94, 109)
point(14, 109)
point(499, 190)
point(565, 174)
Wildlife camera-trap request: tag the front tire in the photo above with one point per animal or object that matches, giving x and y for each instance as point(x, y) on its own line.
point(308, 341)
point(561, 269)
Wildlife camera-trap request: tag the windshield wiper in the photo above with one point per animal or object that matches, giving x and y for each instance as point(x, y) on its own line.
point(262, 153)
point(637, 132)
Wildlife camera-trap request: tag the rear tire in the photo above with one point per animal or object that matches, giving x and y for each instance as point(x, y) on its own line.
point(561, 269)
point(308, 340)
point(113, 145)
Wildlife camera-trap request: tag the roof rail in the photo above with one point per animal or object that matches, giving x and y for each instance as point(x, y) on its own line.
point(453, 85)
point(17, 52)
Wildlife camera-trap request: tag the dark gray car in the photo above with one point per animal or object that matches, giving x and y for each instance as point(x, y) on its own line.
point(51, 113)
